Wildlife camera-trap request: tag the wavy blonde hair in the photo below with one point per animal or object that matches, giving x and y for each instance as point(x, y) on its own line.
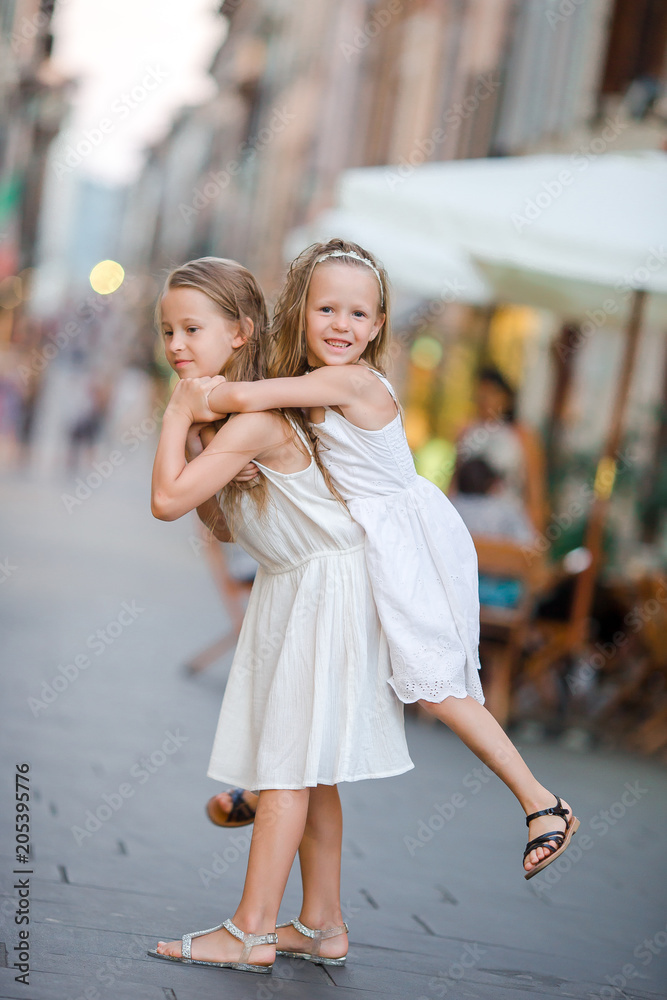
point(289, 353)
point(237, 294)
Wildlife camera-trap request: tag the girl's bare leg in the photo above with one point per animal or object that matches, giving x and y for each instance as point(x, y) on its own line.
point(478, 729)
point(319, 856)
point(279, 827)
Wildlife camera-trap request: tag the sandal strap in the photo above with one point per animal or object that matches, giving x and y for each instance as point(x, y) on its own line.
point(317, 935)
point(543, 841)
point(186, 940)
point(249, 940)
point(240, 810)
point(557, 810)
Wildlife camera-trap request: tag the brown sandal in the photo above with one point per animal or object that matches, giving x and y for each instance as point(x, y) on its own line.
point(241, 813)
point(561, 838)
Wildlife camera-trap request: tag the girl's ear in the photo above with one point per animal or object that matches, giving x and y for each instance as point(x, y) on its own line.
point(377, 326)
point(245, 331)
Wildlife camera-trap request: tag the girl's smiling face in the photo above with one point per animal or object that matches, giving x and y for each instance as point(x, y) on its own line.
point(342, 313)
point(198, 338)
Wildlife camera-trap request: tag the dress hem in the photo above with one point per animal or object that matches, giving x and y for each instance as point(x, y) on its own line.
point(433, 701)
point(241, 783)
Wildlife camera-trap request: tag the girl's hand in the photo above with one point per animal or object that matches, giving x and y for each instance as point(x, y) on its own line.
point(191, 396)
point(193, 443)
point(207, 434)
point(247, 474)
point(199, 437)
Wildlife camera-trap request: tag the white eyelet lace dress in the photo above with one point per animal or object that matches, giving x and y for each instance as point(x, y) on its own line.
point(421, 558)
point(307, 700)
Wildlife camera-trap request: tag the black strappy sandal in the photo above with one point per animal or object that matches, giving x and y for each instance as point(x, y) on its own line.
point(241, 814)
point(562, 838)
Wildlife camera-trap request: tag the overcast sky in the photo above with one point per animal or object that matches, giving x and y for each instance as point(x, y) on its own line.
point(137, 62)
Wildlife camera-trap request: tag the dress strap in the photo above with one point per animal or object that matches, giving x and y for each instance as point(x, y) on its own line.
point(387, 384)
point(300, 433)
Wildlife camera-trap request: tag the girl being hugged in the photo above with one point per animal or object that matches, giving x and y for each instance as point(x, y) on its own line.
point(330, 338)
point(307, 702)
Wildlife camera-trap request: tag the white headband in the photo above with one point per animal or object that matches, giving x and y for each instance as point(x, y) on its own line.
point(364, 260)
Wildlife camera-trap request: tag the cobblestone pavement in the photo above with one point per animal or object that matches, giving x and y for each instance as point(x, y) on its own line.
point(102, 606)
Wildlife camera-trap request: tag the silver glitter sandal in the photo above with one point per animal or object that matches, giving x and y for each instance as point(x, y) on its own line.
point(249, 942)
point(317, 937)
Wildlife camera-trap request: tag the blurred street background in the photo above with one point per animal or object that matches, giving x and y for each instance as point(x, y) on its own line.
point(507, 162)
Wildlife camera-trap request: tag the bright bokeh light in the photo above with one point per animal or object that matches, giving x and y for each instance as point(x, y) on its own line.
point(416, 425)
point(436, 461)
point(106, 277)
point(426, 353)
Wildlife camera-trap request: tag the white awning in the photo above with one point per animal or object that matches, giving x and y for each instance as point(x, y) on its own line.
point(415, 265)
point(570, 233)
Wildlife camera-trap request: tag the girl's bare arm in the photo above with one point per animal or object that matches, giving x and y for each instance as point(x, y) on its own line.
point(209, 512)
point(179, 486)
point(326, 386)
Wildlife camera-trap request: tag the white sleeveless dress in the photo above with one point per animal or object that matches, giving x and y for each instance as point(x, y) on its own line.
point(421, 558)
point(307, 700)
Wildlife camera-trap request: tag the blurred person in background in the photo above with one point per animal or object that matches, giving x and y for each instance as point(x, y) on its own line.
point(486, 507)
point(86, 430)
point(508, 446)
point(13, 395)
point(233, 571)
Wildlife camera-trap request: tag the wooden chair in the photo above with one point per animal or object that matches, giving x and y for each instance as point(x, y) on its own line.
point(504, 630)
point(651, 734)
point(641, 693)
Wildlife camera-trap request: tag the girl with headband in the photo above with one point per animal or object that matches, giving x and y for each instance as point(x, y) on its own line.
point(306, 704)
point(330, 339)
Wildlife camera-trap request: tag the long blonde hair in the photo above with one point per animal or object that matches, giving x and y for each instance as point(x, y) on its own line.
point(289, 352)
point(237, 294)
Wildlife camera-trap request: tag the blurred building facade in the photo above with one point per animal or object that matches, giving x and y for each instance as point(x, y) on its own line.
point(308, 90)
point(32, 105)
